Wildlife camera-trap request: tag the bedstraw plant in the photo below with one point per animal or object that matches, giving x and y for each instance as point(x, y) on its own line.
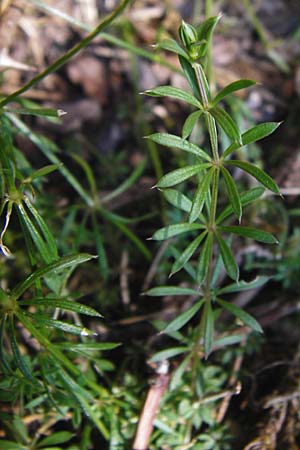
point(211, 228)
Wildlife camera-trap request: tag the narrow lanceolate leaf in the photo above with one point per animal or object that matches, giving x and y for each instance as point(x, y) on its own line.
point(83, 397)
point(229, 262)
point(171, 140)
point(190, 123)
point(177, 199)
point(177, 375)
point(56, 438)
point(45, 250)
point(200, 196)
point(226, 123)
point(174, 92)
point(252, 233)
point(44, 321)
point(244, 285)
point(257, 173)
point(232, 87)
point(183, 318)
point(169, 353)
point(208, 328)
point(179, 175)
point(172, 46)
point(246, 198)
point(48, 112)
point(187, 253)
point(190, 75)
point(233, 193)
point(42, 225)
point(173, 230)
point(67, 305)
point(3, 359)
point(56, 267)
point(88, 346)
point(19, 359)
point(187, 267)
point(205, 258)
point(9, 445)
point(259, 132)
point(207, 27)
point(46, 170)
point(252, 135)
point(241, 314)
point(171, 291)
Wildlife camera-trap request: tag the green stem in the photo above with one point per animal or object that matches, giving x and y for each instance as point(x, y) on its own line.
point(212, 130)
point(69, 54)
point(202, 83)
point(214, 198)
point(213, 135)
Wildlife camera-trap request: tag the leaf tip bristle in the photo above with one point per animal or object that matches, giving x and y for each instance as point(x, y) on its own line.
point(61, 112)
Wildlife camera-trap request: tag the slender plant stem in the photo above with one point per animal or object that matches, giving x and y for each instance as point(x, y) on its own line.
point(69, 54)
point(201, 83)
point(212, 130)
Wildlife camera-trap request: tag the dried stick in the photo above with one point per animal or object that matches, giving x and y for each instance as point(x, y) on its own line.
point(145, 425)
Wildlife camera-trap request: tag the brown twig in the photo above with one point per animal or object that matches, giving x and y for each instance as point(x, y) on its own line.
point(145, 425)
point(124, 271)
point(232, 382)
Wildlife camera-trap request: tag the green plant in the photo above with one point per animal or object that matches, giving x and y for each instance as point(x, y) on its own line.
point(43, 337)
point(211, 228)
